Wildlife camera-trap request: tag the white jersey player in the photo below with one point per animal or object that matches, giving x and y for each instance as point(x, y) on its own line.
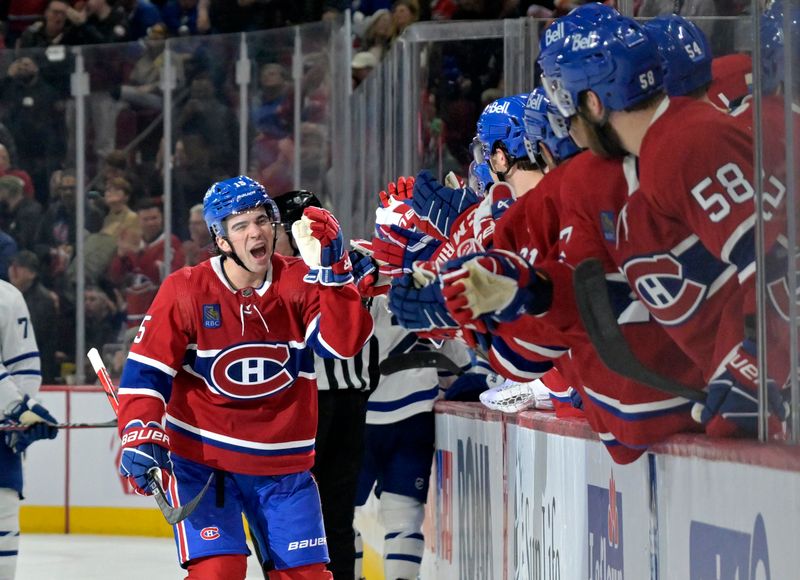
point(20, 378)
point(399, 441)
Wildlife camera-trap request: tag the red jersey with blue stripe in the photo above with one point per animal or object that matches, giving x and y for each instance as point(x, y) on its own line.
point(233, 371)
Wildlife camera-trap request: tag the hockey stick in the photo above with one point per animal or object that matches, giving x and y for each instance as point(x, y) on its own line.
point(594, 306)
point(418, 360)
point(171, 514)
point(104, 425)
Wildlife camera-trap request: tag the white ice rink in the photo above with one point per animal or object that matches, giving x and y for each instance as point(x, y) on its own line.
point(83, 557)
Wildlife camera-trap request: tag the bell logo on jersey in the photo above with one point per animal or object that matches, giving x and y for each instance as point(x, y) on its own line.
point(659, 281)
point(251, 371)
point(210, 533)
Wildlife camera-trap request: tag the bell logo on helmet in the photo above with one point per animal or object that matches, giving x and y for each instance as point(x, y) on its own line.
point(535, 100)
point(496, 107)
point(581, 42)
point(553, 33)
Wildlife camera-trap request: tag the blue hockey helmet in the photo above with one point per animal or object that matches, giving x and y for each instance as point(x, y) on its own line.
point(685, 53)
point(554, 35)
point(772, 44)
point(501, 121)
point(233, 196)
point(614, 58)
point(544, 124)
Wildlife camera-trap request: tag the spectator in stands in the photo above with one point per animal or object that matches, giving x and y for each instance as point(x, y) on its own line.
point(43, 306)
point(138, 267)
point(379, 33)
point(272, 105)
point(55, 63)
point(248, 15)
point(98, 22)
point(404, 13)
point(181, 17)
point(20, 14)
point(104, 320)
point(8, 249)
point(34, 113)
point(7, 169)
point(271, 159)
point(142, 16)
point(199, 247)
point(361, 65)
point(120, 218)
point(370, 7)
point(19, 214)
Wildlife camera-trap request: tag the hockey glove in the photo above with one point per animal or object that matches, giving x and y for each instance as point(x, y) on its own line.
point(418, 308)
point(498, 285)
point(28, 412)
point(469, 386)
point(145, 448)
point(731, 406)
point(321, 245)
point(400, 248)
point(437, 206)
point(397, 192)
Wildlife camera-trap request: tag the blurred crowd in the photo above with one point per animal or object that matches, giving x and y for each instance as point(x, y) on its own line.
point(123, 230)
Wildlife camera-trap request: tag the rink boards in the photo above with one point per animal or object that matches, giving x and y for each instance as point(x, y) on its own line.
point(512, 497)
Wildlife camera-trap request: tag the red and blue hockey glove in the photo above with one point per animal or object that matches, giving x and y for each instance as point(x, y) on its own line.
point(28, 412)
point(397, 192)
point(418, 308)
point(437, 206)
point(497, 285)
point(319, 239)
point(400, 248)
point(469, 386)
point(369, 281)
point(731, 407)
point(144, 448)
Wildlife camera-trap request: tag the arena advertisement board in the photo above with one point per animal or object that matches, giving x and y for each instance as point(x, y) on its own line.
point(546, 505)
point(618, 536)
point(469, 496)
point(722, 520)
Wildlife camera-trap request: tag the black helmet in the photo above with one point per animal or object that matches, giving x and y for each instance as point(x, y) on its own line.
point(292, 203)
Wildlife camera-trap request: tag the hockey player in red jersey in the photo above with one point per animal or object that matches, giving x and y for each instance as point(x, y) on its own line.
point(686, 239)
point(224, 358)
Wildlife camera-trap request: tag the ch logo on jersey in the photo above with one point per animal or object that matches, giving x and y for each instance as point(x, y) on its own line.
point(660, 283)
point(251, 371)
point(210, 533)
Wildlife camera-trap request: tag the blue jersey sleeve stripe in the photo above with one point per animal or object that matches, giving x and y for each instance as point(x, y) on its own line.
point(383, 406)
point(16, 359)
point(137, 375)
point(659, 409)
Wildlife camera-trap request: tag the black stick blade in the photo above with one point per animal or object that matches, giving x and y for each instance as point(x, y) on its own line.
point(418, 360)
point(171, 514)
point(594, 307)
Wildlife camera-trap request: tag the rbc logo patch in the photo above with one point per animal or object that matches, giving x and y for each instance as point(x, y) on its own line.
point(210, 533)
point(212, 318)
point(608, 223)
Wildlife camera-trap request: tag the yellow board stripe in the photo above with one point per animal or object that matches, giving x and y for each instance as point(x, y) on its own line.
point(94, 520)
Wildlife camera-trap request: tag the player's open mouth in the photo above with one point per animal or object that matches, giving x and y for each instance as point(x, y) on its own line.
point(259, 252)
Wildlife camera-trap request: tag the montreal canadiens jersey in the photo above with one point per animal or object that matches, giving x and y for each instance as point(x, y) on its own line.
point(407, 393)
point(232, 372)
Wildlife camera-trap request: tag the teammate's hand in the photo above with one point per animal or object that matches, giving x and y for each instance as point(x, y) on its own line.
point(399, 191)
point(399, 248)
point(319, 239)
point(418, 308)
point(731, 407)
point(437, 206)
point(497, 284)
point(144, 448)
point(28, 412)
point(469, 386)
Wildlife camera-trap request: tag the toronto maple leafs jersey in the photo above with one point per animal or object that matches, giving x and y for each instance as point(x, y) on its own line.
point(20, 373)
point(232, 372)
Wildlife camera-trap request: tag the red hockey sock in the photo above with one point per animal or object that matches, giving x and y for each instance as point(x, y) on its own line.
point(310, 572)
point(224, 567)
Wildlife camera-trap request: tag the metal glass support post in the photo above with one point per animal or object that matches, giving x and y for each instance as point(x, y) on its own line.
point(243, 80)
